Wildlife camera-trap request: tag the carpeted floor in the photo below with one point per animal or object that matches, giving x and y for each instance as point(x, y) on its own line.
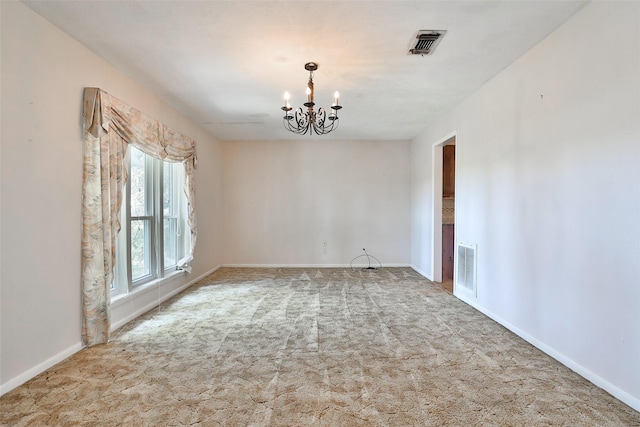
point(312, 347)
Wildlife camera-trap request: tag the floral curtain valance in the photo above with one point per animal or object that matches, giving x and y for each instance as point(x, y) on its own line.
point(104, 113)
point(109, 126)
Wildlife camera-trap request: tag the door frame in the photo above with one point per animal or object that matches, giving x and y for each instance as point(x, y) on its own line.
point(436, 203)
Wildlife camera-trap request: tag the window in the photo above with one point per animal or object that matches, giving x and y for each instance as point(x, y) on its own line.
point(154, 234)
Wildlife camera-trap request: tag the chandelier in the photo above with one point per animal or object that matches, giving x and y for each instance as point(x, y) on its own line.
point(304, 121)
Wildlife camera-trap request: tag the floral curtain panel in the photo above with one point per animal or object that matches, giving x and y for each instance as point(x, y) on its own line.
point(109, 125)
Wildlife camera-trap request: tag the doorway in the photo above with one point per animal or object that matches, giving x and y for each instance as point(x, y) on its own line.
point(448, 213)
point(443, 215)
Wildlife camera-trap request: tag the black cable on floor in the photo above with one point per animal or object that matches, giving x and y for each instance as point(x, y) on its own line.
point(369, 257)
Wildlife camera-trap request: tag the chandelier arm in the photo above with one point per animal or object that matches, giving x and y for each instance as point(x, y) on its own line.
point(303, 119)
point(289, 122)
point(320, 118)
point(320, 126)
point(288, 126)
point(325, 130)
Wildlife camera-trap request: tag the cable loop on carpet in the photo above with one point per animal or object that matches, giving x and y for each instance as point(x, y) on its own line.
point(369, 257)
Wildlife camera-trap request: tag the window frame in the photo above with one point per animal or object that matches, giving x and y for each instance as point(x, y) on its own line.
point(123, 282)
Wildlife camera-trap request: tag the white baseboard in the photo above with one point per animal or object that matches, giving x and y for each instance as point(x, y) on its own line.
point(309, 265)
point(160, 300)
point(615, 391)
point(39, 368)
point(54, 360)
point(618, 393)
point(421, 272)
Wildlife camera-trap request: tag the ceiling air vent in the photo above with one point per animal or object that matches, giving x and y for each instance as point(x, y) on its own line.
point(426, 41)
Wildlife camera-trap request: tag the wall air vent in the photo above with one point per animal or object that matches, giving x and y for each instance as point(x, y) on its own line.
point(425, 42)
point(466, 268)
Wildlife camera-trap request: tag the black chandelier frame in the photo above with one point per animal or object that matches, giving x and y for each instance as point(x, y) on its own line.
point(309, 121)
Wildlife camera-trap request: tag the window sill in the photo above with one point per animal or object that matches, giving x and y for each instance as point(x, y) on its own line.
point(153, 285)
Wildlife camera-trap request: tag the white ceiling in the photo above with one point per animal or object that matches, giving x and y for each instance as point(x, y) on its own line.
point(226, 64)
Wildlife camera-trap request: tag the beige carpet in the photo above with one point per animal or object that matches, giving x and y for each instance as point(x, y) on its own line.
point(321, 347)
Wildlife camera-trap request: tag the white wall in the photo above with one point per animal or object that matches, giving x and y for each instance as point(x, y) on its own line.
point(43, 75)
point(548, 187)
point(284, 199)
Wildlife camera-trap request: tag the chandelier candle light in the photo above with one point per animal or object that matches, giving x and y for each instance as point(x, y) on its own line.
point(303, 122)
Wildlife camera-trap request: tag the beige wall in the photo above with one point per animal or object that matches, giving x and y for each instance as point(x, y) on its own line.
point(284, 199)
point(43, 75)
point(548, 188)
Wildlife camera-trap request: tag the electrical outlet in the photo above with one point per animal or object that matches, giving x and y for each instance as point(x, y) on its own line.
point(324, 246)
